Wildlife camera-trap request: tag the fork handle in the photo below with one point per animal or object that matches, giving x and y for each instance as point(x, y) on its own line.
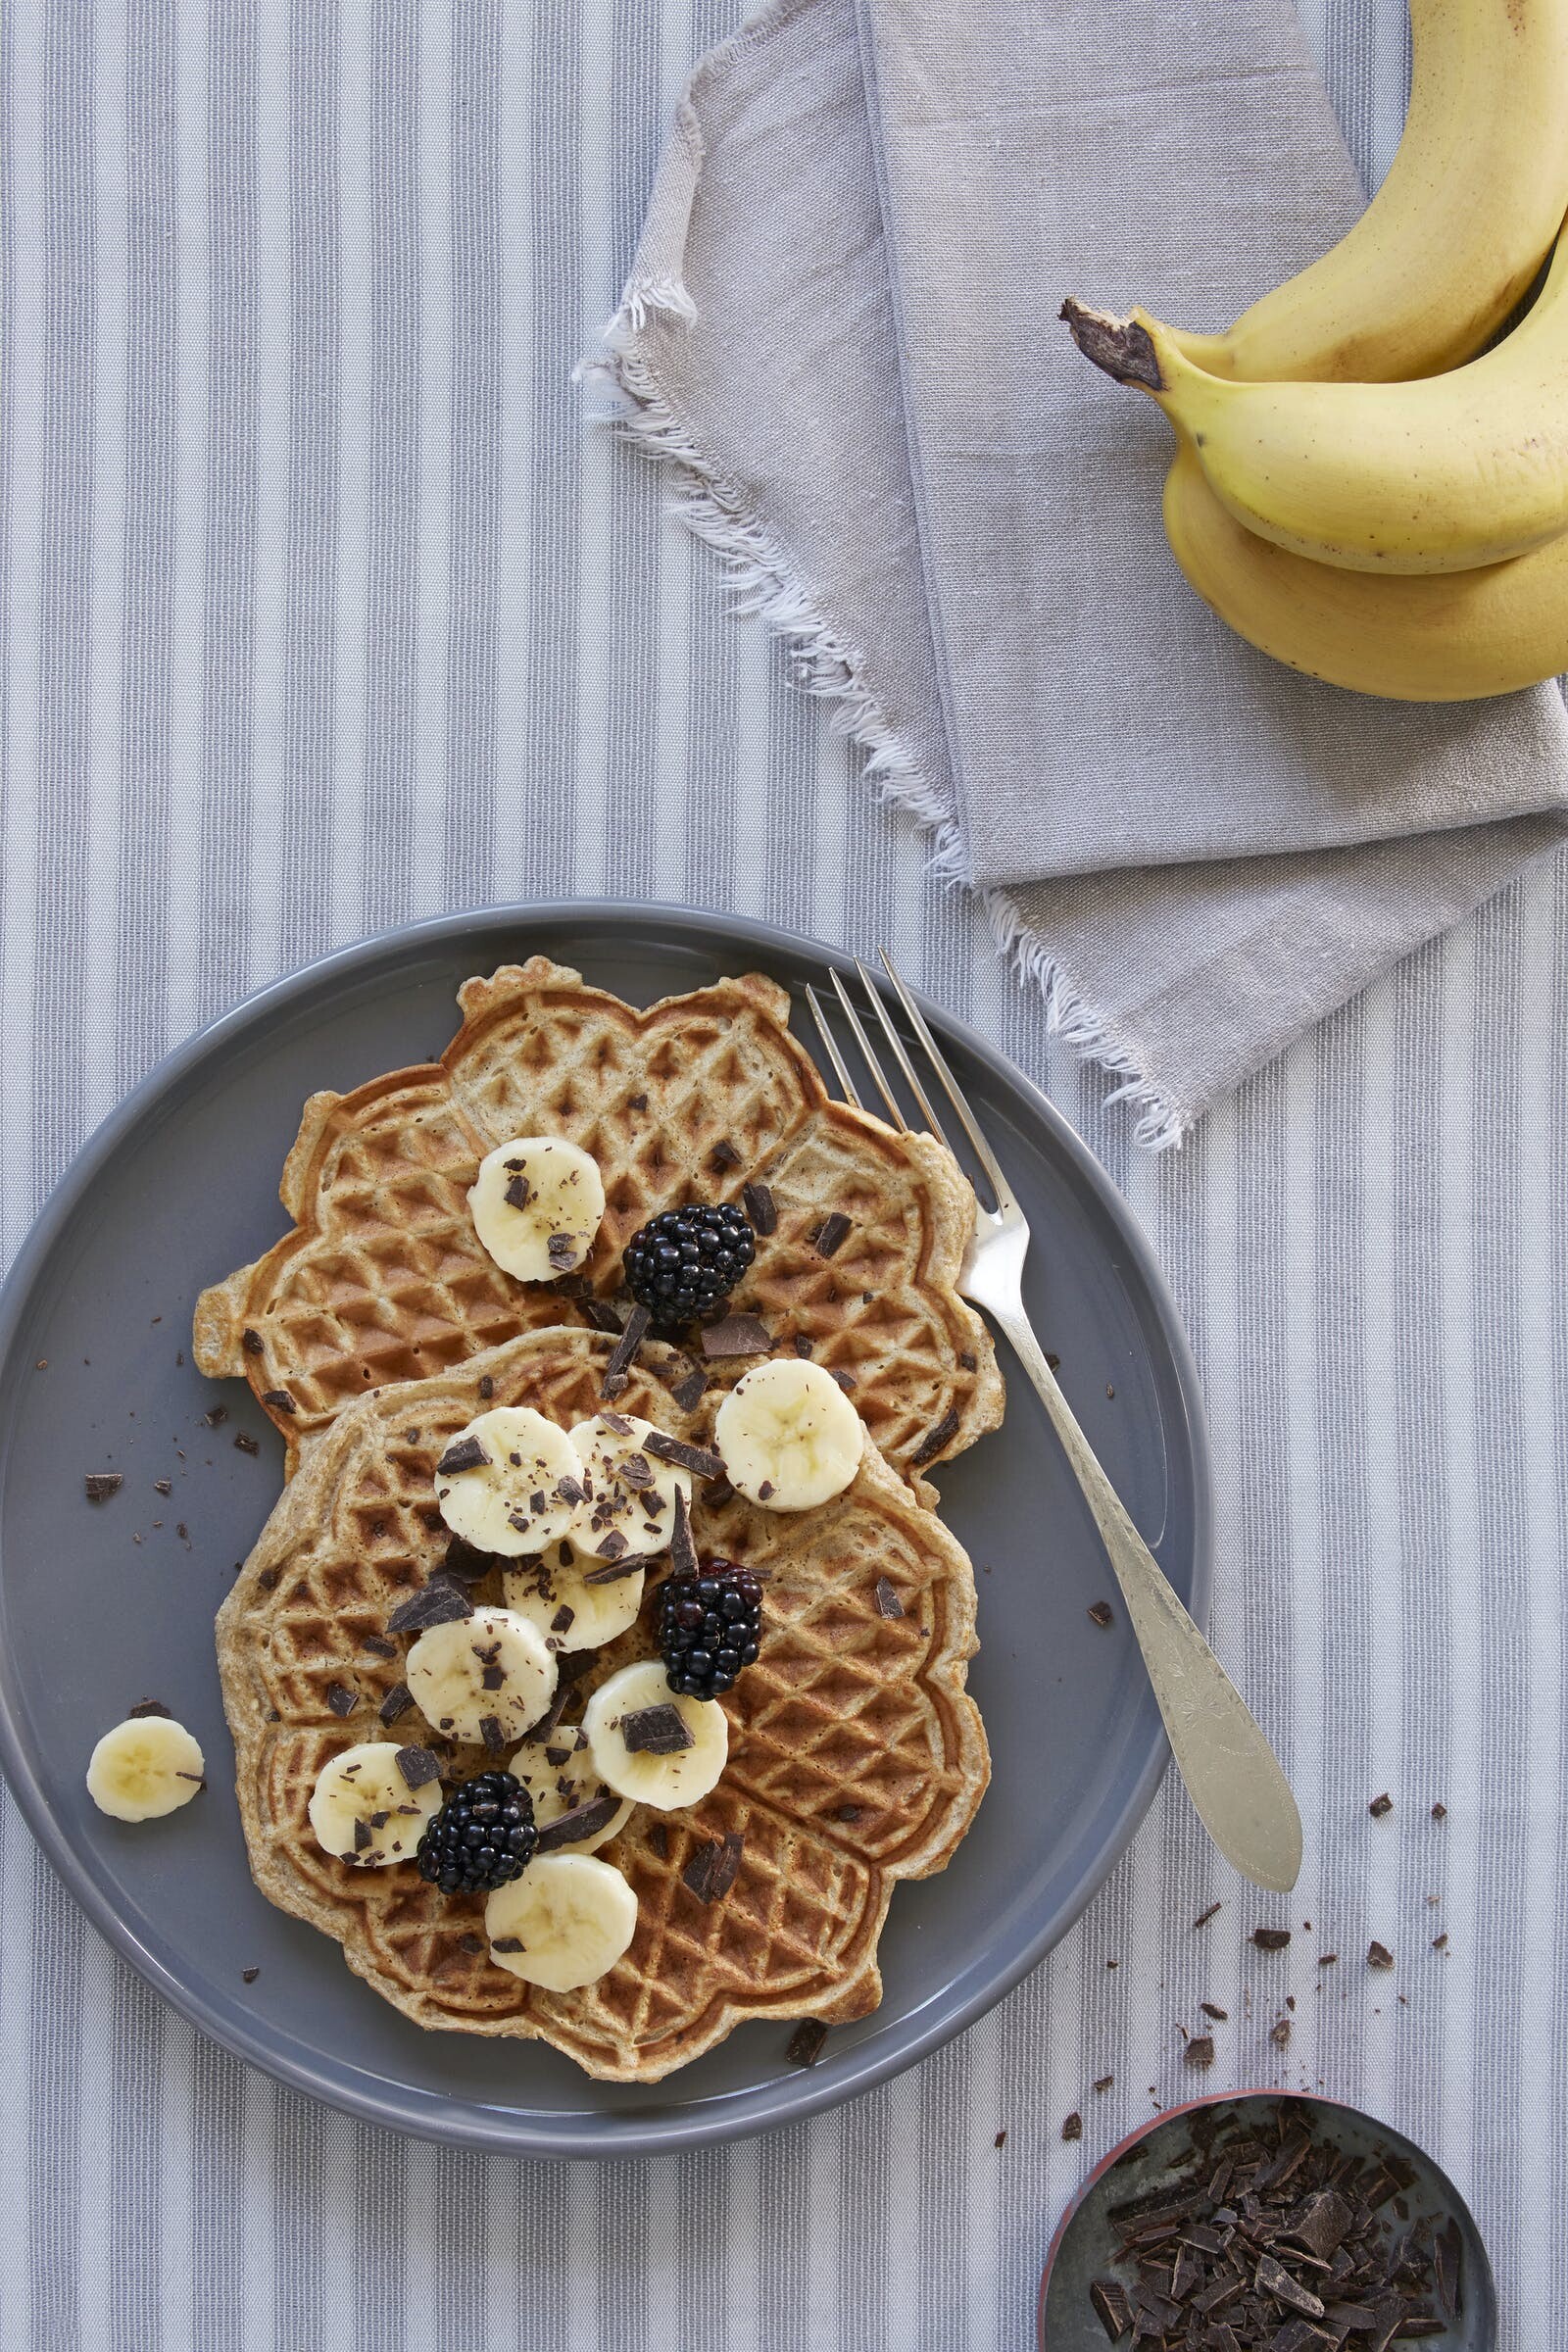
point(1232, 1774)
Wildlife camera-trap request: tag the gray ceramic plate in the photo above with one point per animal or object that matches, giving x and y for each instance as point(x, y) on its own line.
point(179, 1187)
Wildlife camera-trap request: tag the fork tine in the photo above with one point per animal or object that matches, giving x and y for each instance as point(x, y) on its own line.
point(832, 1045)
point(871, 1061)
point(950, 1084)
point(896, 1042)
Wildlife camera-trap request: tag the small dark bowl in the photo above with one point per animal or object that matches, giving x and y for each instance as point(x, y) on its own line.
point(1082, 2247)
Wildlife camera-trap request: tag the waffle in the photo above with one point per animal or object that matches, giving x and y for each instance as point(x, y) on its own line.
point(383, 1278)
point(856, 1757)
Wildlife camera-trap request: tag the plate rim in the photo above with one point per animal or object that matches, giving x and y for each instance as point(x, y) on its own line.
point(786, 2100)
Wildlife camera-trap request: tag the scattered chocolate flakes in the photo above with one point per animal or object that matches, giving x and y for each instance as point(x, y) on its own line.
point(682, 1551)
point(711, 1872)
point(1271, 1939)
point(688, 1391)
point(931, 1445)
point(398, 1700)
point(1378, 1955)
point(1201, 2050)
point(618, 1368)
point(246, 1442)
point(831, 1234)
point(1439, 1812)
point(580, 1820)
point(888, 1603)
point(1203, 1917)
point(695, 1459)
point(724, 1156)
point(1101, 1612)
point(101, 1484)
point(1073, 2127)
point(1212, 2009)
point(660, 1731)
point(279, 1400)
point(248, 1976)
point(464, 1453)
point(487, 1387)
point(148, 1706)
point(1381, 1806)
point(761, 1211)
point(251, 1341)
point(562, 1252)
point(341, 1699)
point(805, 2045)
point(438, 1603)
point(490, 1733)
point(736, 1334)
point(216, 1418)
point(518, 1191)
point(163, 1486)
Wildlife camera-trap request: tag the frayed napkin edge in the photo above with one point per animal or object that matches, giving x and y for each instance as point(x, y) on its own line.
point(622, 391)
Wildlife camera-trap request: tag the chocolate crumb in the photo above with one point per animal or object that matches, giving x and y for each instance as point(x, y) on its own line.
point(761, 1211)
point(101, 1484)
point(1073, 2127)
point(688, 1391)
point(1381, 1806)
point(471, 1942)
point(1201, 2050)
point(1212, 2009)
point(1280, 2033)
point(341, 1699)
point(831, 1234)
point(1103, 2083)
point(251, 1341)
point(1439, 1812)
point(804, 2047)
point(279, 1400)
point(1440, 1943)
point(216, 1418)
point(163, 1486)
point(1271, 1939)
point(888, 1603)
point(1001, 2140)
point(931, 1445)
point(736, 1334)
point(246, 1442)
point(658, 1731)
point(248, 1976)
point(1101, 1612)
point(1378, 1955)
point(149, 1706)
point(464, 1453)
point(1328, 1959)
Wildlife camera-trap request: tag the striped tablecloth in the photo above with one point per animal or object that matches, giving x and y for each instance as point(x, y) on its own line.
point(320, 612)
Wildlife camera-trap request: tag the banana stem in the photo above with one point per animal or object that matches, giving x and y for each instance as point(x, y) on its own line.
point(1122, 347)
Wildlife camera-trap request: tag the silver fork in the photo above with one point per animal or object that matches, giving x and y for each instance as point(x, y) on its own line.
point(1232, 1774)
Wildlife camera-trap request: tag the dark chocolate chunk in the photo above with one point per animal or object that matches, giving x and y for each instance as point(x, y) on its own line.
point(599, 1316)
point(362, 1836)
point(846, 1380)
point(636, 1471)
point(216, 1418)
point(487, 1387)
point(1439, 1812)
point(248, 1976)
point(1073, 2127)
point(831, 1234)
point(491, 1734)
point(611, 1571)
point(341, 1699)
point(724, 1156)
point(711, 1872)
point(1271, 1939)
point(1112, 2308)
point(562, 1252)
point(398, 1700)
point(148, 1706)
point(1379, 1955)
point(623, 1354)
point(101, 1484)
point(1101, 1612)
point(688, 1391)
point(1381, 1806)
point(885, 1595)
point(279, 1400)
point(163, 1486)
point(464, 1453)
point(418, 1766)
point(682, 1551)
point(560, 1622)
point(252, 1341)
point(805, 2045)
point(1273, 2278)
point(761, 1211)
point(613, 1547)
point(581, 1820)
point(969, 1362)
point(246, 1442)
point(494, 1676)
point(438, 1603)
point(508, 1943)
point(518, 1191)
point(659, 1731)
point(931, 1445)
point(466, 1563)
point(736, 1334)
point(269, 1578)
point(1201, 2050)
point(695, 1459)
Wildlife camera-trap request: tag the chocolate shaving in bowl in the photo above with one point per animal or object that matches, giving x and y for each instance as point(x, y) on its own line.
point(623, 1356)
point(659, 1731)
point(99, 1485)
point(398, 1700)
point(711, 1872)
point(1112, 2308)
point(439, 1603)
point(931, 1445)
point(341, 1699)
point(581, 1820)
point(805, 2045)
point(419, 1766)
point(149, 1706)
point(885, 1595)
point(736, 1334)
point(279, 1400)
point(695, 1458)
point(464, 1453)
point(762, 1213)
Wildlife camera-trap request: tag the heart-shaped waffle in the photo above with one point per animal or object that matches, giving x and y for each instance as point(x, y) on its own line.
point(856, 1756)
point(383, 1278)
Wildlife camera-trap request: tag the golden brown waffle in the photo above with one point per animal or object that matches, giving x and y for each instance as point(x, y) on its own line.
point(856, 1756)
point(383, 1278)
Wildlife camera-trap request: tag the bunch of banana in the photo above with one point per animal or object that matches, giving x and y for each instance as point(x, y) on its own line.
point(1346, 495)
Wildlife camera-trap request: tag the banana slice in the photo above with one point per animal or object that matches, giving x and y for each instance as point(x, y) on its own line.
point(789, 1436)
point(565, 1923)
point(145, 1767)
point(552, 1593)
point(363, 1809)
point(492, 1666)
point(630, 1492)
point(499, 1483)
point(536, 1206)
point(650, 1745)
point(565, 1785)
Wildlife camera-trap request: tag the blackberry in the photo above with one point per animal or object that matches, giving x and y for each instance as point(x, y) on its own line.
point(709, 1626)
point(482, 1836)
point(685, 1260)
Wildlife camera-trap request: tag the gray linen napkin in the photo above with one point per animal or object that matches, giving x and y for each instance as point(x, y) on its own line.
point(840, 323)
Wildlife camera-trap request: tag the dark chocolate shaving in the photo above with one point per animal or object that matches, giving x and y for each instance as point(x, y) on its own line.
point(438, 1603)
point(398, 1700)
point(1271, 1939)
point(508, 1943)
point(761, 1211)
point(562, 1252)
point(599, 1316)
point(518, 1191)
point(611, 1572)
point(736, 1334)
point(660, 1730)
point(710, 1873)
point(888, 1603)
point(831, 1234)
point(418, 1766)
point(560, 1622)
point(695, 1458)
point(246, 1443)
point(623, 1354)
point(931, 1445)
point(804, 2047)
point(682, 1551)
point(491, 1734)
point(688, 1391)
point(1101, 1612)
point(279, 1400)
point(380, 1647)
point(341, 1699)
point(1381, 1806)
point(581, 1820)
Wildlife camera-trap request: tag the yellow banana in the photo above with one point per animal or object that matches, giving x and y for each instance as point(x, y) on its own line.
point(1441, 637)
point(1458, 228)
point(1459, 470)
